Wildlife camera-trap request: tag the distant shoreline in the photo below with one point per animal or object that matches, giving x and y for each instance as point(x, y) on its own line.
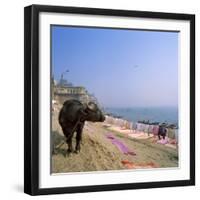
point(151, 114)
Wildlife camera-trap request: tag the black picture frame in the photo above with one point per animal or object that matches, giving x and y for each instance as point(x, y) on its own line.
point(31, 98)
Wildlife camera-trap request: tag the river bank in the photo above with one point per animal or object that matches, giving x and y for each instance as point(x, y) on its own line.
point(99, 154)
point(101, 149)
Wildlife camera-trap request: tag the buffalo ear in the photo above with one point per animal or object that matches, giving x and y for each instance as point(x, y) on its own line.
point(91, 106)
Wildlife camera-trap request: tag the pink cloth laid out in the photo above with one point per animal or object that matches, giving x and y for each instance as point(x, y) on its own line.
point(163, 141)
point(120, 145)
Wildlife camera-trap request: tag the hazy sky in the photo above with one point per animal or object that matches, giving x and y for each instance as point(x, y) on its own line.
point(123, 68)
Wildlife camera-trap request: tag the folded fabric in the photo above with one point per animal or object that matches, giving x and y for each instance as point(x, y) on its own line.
point(120, 145)
point(130, 165)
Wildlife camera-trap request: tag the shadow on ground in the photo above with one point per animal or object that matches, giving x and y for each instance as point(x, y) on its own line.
point(58, 144)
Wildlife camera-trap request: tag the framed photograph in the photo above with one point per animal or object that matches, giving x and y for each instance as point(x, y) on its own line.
point(109, 99)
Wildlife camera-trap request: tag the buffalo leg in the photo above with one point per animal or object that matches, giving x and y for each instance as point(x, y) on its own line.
point(163, 136)
point(68, 139)
point(78, 138)
point(69, 142)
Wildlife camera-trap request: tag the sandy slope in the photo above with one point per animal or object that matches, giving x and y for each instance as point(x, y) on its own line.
point(98, 153)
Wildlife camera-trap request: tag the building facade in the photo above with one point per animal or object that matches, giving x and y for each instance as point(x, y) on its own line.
point(65, 90)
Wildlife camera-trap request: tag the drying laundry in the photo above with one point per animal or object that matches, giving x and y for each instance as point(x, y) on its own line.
point(146, 128)
point(151, 128)
point(163, 141)
point(130, 165)
point(120, 145)
point(155, 129)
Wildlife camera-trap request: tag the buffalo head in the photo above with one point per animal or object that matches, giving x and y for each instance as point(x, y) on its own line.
point(91, 112)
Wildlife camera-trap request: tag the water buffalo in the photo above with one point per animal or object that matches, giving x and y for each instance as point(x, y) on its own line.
point(72, 117)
